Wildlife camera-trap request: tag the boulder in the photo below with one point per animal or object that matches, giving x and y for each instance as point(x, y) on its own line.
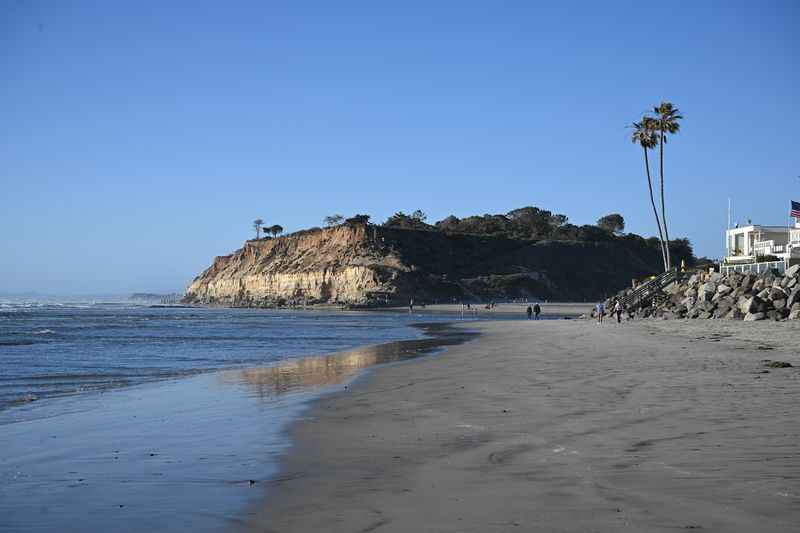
point(723, 307)
point(764, 294)
point(751, 305)
point(758, 285)
point(734, 314)
point(794, 314)
point(723, 289)
point(751, 317)
point(776, 294)
point(673, 288)
point(794, 297)
point(792, 271)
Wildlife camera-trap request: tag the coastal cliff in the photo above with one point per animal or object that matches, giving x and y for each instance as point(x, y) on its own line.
point(367, 265)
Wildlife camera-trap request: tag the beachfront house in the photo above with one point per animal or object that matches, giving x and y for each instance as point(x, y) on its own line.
point(756, 248)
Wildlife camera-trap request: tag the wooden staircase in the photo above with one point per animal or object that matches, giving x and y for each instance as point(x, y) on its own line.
point(646, 292)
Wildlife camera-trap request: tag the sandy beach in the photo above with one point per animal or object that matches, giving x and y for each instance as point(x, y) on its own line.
point(558, 426)
point(549, 310)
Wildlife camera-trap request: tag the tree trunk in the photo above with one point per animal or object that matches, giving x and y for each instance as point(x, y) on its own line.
point(655, 211)
point(663, 210)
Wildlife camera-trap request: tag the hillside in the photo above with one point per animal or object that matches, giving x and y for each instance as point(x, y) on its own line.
point(361, 264)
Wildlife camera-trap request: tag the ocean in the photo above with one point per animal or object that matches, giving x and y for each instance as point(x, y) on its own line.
point(120, 417)
point(52, 350)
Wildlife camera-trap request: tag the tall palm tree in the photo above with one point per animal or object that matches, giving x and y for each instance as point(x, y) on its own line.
point(667, 117)
point(646, 136)
point(257, 223)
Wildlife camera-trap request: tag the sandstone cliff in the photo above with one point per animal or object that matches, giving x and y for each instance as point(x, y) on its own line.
point(363, 264)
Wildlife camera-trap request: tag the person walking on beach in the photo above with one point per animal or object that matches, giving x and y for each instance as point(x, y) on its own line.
point(618, 311)
point(411, 305)
point(601, 310)
point(529, 311)
point(536, 311)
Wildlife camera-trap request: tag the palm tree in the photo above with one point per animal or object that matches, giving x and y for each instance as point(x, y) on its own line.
point(257, 223)
point(276, 230)
point(646, 136)
point(667, 117)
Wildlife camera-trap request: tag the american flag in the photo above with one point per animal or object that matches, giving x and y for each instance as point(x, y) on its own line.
point(795, 212)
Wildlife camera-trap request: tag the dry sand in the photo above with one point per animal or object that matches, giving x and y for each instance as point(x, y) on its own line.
point(558, 426)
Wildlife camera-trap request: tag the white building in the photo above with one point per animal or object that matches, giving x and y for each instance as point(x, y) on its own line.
point(756, 248)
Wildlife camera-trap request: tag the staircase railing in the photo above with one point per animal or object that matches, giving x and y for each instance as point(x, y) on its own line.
point(644, 293)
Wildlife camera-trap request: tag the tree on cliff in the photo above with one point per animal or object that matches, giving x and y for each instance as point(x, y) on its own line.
point(333, 220)
point(358, 219)
point(667, 117)
point(613, 223)
point(276, 230)
point(644, 134)
point(413, 221)
point(257, 223)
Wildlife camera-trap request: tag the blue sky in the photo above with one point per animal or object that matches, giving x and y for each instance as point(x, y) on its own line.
point(138, 140)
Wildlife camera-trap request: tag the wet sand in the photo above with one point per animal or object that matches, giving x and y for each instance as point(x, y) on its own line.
point(549, 310)
point(183, 454)
point(558, 426)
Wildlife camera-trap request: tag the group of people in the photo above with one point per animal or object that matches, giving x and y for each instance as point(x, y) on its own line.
point(534, 311)
point(600, 311)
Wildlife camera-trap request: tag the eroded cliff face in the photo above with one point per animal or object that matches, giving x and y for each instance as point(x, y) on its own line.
point(345, 264)
point(362, 264)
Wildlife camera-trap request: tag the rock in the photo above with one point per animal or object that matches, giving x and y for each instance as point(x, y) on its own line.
point(752, 305)
point(673, 288)
point(704, 314)
point(794, 297)
point(734, 314)
point(794, 313)
point(764, 295)
point(772, 315)
point(706, 291)
point(776, 294)
point(723, 308)
point(779, 304)
point(791, 283)
point(777, 364)
point(751, 317)
point(723, 289)
point(792, 271)
point(758, 285)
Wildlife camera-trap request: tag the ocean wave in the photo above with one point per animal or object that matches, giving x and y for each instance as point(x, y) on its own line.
point(44, 332)
point(16, 342)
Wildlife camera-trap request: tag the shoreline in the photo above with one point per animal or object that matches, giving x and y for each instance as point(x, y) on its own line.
point(556, 426)
point(179, 452)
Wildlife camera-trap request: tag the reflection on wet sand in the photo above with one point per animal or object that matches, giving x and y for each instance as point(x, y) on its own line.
point(337, 368)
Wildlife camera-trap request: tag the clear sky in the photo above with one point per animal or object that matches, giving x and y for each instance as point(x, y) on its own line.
point(140, 139)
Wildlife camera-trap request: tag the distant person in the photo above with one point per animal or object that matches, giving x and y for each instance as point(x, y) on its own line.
point(536, 311)
point(529, 311)
point(600, 309)
point(618, 311)
point(411, 305)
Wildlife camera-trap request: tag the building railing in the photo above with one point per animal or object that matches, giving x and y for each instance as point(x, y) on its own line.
point(755, 268)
